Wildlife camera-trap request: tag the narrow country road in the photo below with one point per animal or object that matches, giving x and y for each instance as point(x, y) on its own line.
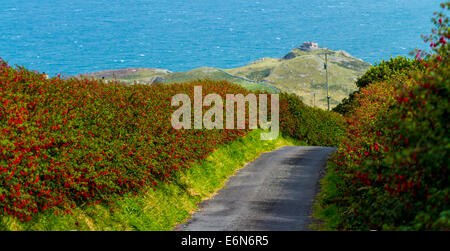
point(274, 192)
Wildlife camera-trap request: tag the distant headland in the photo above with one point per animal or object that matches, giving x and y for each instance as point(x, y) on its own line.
point(300, 71)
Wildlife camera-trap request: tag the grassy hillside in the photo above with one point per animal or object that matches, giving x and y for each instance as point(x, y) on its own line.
point(302, 73)
point(299, 72)
point(130, 75)
point(150, 75)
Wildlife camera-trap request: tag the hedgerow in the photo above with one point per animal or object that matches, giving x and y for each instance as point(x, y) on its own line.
point(398, 66)
point(69, 142)
point(312, 125)
point(72, 142)
point(383, 71)
point(392, 171)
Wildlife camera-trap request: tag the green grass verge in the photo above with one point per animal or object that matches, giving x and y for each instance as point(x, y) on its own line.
point(327, 218)
point(167, 205)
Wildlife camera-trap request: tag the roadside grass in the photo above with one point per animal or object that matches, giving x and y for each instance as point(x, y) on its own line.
point(327, 218)
point(167, 205)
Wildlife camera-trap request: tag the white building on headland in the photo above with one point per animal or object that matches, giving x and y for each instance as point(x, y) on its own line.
point(309, 46)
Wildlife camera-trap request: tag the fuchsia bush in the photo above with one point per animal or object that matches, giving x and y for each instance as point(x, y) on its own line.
point(69, 142)
point(392, 170)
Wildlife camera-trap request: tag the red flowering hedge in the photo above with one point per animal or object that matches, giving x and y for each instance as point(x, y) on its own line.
point(69, 142)
point(393, 170)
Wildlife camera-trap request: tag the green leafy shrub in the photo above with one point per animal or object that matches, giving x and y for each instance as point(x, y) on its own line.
point(385, 70)
point(313, 125)
point(346, 104)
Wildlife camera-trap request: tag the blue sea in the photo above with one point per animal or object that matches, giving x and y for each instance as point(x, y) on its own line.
point(80, 36)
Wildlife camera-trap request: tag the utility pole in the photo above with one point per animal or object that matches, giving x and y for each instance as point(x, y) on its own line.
point(314, 99)
point(326, 73)
point(311, 84)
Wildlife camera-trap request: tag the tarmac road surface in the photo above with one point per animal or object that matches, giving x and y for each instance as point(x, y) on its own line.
point(273, 193)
